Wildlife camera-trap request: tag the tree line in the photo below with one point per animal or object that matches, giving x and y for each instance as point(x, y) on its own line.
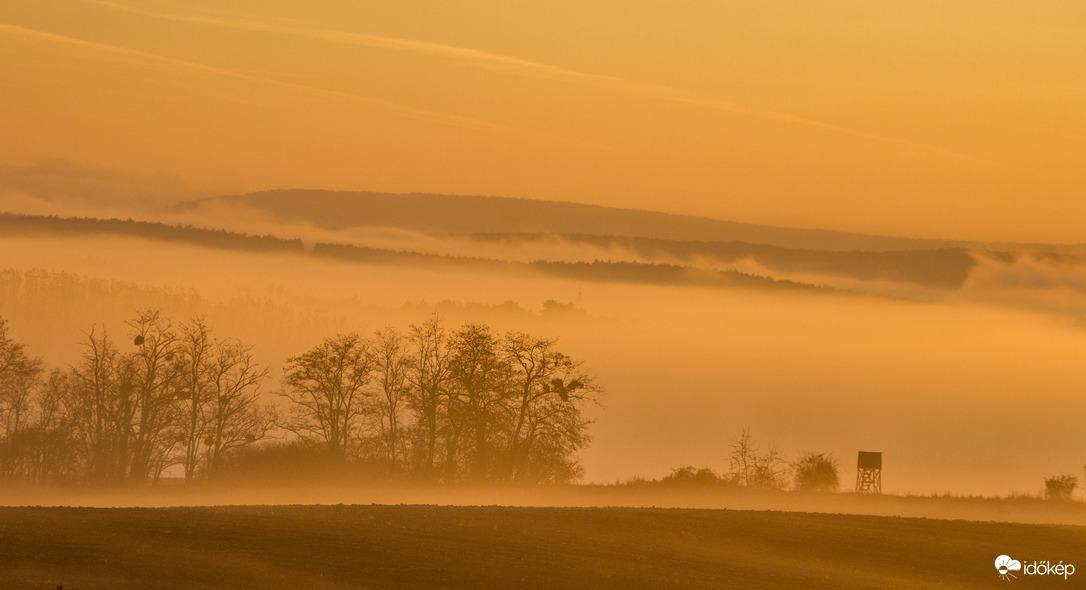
point(175, 400)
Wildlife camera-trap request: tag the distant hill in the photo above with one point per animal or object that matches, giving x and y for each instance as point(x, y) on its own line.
point(598, 271)
point(937, 267)
point(658, 261)
point(458, 214)
point(620, 272)
point(13, 224)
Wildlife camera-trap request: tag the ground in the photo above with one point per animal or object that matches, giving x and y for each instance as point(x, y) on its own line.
point(510, 547)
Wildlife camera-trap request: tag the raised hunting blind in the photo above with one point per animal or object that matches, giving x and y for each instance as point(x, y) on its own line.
point(869, 473)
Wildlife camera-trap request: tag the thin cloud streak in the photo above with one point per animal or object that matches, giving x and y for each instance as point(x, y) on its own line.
point(442, 118)
point(527, 67)
point(679, 96)
point(372, 41)
point(320, 92)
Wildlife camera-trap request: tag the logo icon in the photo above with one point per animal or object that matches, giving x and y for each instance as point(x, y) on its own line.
point(1005, 565)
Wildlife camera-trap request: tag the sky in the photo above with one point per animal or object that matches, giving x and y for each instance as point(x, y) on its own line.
point(941, 119)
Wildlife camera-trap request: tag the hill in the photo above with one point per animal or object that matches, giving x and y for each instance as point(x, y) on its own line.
point(936, 267)
point(600, 258)
point(460, 214)
point(12, 224)
point(598, 271)
point(270, 547)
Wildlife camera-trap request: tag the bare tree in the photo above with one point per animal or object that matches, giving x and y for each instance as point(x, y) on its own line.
point(158, 371)
point(236, 417)
point(430, 373)
point(750, 469)
point(102, 408)
point(547, 392)
point(328, 388)
point(19, 375)
point(13, 356)
point(480, 377)
point(555, 430)
point(196, 390)
point(57, 458)
point(392, 365)
point(476, 405)
point(221, 386)
point(743, 459)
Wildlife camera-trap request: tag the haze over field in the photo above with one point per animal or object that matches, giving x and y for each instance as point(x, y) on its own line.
point(960, 364)
point(845, 225)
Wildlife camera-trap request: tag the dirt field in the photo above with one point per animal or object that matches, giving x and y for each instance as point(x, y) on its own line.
point(507, 547)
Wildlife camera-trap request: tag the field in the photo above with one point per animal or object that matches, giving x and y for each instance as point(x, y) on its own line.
point(410, 546)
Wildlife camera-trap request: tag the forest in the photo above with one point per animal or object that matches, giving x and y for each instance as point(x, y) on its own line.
point(173, 400)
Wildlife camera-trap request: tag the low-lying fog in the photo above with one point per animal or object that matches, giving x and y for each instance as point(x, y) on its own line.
point(959, 397)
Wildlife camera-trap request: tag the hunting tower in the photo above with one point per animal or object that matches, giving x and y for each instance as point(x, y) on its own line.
point(869, 473)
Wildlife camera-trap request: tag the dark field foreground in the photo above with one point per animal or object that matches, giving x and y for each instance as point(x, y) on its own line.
point(506, 547)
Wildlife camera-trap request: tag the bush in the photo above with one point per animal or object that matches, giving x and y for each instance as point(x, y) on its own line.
point(1060, 487)
point(689, 475)
point(815, 472)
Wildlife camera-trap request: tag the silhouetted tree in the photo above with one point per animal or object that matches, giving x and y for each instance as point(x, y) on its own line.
point(751, 469)
point(221, 391)
point(478, 388)
point(547, 392)
point(328, 387)
point(196, 391)
point(478, 406)
point(19, 375)
point(743, 459)
point(236, 418)
point(392, 365)
point(158, 366)
point(429, 376)
point(57, 457)
point(101, 406)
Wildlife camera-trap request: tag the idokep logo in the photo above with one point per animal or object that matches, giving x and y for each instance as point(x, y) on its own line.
point(1007, 566)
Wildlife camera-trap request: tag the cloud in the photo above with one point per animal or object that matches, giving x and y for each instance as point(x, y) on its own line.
point(412, 112)
point(477, 58)
point(1053, 283)
point(59, 187)
point(319, 92)
point(466, 55)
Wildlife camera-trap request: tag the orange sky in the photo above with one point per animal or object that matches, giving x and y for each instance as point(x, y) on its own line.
point(947, 118)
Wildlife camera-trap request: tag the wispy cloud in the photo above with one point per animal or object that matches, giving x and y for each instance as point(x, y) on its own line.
point(680, 96)
point(413, 112)
point(465, 55)
point(524, 67)
point(198, 67)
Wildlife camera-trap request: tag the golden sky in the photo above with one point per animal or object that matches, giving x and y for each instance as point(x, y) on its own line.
point(941, 118)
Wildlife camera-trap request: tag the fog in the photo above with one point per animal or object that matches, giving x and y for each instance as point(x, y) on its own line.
point(960, 397)
point(967, 391)
point(1048, 283)
point(60, 187)
point(541, 295)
